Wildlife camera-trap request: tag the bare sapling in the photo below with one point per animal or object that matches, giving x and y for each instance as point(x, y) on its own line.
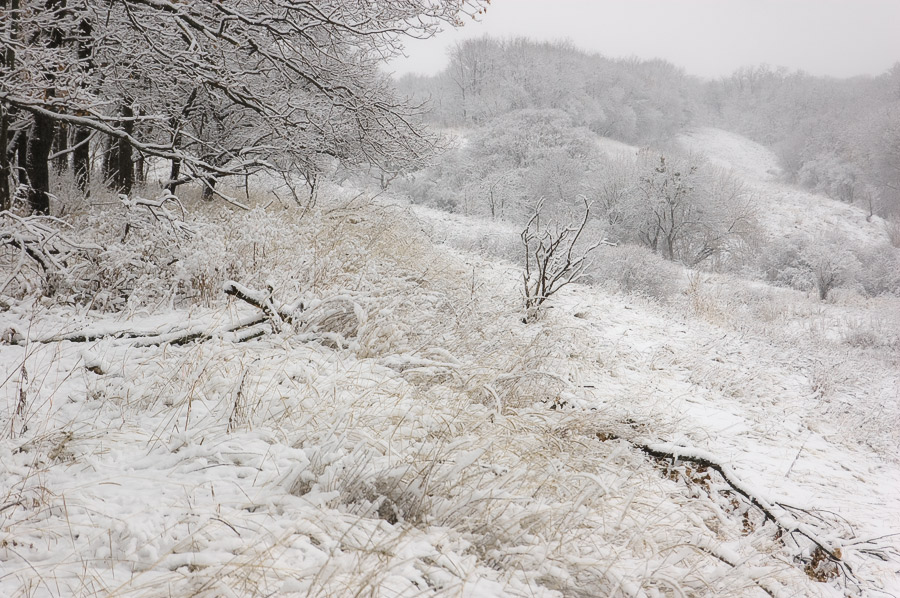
point(553, 257)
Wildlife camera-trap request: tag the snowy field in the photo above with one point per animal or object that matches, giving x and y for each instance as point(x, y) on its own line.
point(405, 434)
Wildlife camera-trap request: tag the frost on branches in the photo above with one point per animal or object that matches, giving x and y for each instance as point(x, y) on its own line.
point(221, 89)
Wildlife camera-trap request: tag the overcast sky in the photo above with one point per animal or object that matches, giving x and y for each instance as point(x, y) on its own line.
point(709, 38)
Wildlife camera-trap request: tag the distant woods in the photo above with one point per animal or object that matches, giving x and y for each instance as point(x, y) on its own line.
point(631, 100)
point(839, 137)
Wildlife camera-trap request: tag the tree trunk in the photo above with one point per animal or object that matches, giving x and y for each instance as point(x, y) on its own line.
point(175, 170)
point(109, 161)
point(40, 140)
point(81, 157)
point(209, 189)
point(174, 173)
point(7, 60)
point(61, 144)
point(81, 160)
point(21, 152)
point(5, 196)
point(140, 175)
point(125, 164)
point(40, 137)
point(669, 249)
point(118, 165)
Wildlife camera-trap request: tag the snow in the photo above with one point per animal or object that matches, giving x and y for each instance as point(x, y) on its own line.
point(410, 436)
point(783, 209)
point(735, 152)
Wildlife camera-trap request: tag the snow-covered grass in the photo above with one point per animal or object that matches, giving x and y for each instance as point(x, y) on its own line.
point(407, 435)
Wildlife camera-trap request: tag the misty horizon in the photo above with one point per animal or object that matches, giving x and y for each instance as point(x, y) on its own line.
point(707, 39)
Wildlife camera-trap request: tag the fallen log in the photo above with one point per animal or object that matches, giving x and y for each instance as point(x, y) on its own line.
point(275, 313)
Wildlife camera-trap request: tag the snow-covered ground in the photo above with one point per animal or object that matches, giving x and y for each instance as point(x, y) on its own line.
point(408, 435)
point(783, 209)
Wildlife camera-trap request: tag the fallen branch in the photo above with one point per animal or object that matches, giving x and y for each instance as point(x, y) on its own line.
point(146, 338)
point(706, 459)
point(243, 330)
point(279, 314)
point(774, 512)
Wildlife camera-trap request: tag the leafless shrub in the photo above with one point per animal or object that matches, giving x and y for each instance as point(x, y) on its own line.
point(553, 257)
point(41, 241)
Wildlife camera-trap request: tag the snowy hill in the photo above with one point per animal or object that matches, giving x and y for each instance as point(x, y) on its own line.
point(404, 433)
point(783, 209)
point(730, 150)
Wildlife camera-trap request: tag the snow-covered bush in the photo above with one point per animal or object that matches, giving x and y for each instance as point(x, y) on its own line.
point(147, 254)
point(507, 165)
point(38, 253)
point(831, 175)
point(875, 331)
point(879, 270)
point(147, 262)
point(426, 188)
point(637, 270)
point(809, 263)
point(892, 228)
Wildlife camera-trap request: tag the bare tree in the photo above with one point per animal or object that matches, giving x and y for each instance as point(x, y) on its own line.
point(553, 257)
point(687, 210)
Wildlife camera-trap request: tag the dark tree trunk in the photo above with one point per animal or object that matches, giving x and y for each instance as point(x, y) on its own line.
point(81, 157)
point(175, 170)
point(40, 137)
point(208, 189)
point(81, 160)
point(21, 152)
point(7, 60)
point(140, 175)
point(40, 140)
point(174, 173)
point(5, 195)
point(125, 165)
point(118, 166)
point(61, 144)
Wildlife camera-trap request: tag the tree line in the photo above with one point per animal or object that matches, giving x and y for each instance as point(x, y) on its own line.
point(217, 89)
point(840, 137)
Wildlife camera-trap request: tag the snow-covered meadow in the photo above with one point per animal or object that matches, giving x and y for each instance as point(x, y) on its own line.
point(406, 434)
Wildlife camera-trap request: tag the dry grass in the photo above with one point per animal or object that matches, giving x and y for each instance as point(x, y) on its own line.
point(409, 437)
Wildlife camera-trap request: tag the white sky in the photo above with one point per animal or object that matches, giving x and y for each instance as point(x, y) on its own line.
point(709, 38)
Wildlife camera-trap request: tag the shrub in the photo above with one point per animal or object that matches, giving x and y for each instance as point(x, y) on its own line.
point(553, 256)
point(892, 228)
point(811, 263)
point(636, 270)
point(879, 270)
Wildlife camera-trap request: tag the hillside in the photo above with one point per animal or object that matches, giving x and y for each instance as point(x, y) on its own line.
point(783, 209)
point(404, 433)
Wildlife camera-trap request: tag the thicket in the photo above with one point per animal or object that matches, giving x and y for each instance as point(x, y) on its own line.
point(218, 89)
